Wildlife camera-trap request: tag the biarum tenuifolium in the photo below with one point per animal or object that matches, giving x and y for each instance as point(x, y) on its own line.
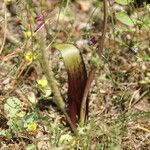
point(77, 78)
point(43, 87)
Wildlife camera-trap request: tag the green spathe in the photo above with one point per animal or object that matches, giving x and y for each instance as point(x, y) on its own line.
point(70, 54)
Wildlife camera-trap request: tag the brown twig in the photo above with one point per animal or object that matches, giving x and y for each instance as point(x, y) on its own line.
point(102, 37)
point(5, 31)
point(85, 95)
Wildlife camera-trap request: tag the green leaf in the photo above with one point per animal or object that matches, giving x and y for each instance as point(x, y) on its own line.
point(125, 19)
point(65, 139)
point(31, 147)
point(12, 106)
point(123, 2)
point(3, 133)
point(77, 78)
point(15, 124)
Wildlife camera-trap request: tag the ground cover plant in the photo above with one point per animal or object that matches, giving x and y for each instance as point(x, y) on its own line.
point(74, 74)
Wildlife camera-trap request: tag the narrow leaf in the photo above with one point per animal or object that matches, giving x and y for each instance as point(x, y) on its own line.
point(125, 19)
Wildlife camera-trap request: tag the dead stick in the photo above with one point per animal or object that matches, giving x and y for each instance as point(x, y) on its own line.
point(102, 38)
point(85, 95)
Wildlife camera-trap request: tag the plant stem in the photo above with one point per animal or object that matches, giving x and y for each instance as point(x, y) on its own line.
point(85, 95)
point(102, 38)
point(93, 70)
point(5, 31)
point(51, 80)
